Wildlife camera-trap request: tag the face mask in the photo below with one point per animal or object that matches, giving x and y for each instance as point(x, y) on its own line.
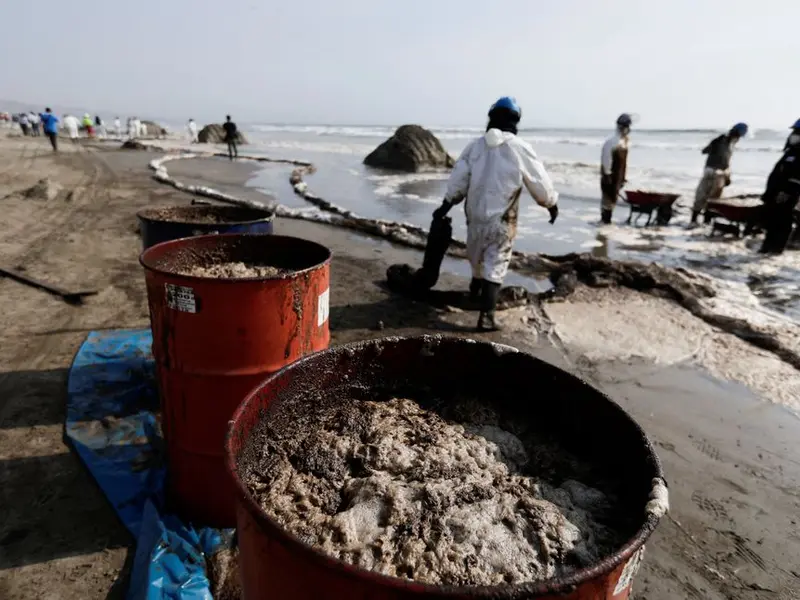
point(794, 139)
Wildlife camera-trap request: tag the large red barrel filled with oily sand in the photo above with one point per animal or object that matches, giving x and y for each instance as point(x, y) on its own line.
point(226, 311)
point(561, 426)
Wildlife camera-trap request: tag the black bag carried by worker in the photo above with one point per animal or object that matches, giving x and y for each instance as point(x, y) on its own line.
point(439, 238)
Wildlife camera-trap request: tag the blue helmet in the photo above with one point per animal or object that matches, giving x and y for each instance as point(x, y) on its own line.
point(740, 129)
point(508, 103)
point(624, 120)
point(796, 125)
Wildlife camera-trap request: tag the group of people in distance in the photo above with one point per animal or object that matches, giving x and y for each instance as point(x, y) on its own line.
point(492, 171)
point(34, 125)
point(780, 197)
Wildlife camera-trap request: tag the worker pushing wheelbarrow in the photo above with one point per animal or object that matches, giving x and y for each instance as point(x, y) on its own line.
point(613, 177)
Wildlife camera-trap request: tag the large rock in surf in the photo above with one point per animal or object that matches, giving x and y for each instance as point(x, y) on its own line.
point(215, 134)
point(412, 148)
point(154, 129)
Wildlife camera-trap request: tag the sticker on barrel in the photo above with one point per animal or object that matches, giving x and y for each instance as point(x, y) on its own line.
point(323, 307)
point(181, 298)
point(629, 572)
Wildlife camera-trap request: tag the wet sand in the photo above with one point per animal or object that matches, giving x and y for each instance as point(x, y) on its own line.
point(731, 455)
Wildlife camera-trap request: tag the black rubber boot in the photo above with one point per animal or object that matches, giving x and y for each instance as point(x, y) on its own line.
point(777, 237)
point(605, 217)
point(475, 289)
point(486, 320)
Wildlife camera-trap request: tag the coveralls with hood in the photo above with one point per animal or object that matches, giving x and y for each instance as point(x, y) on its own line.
point(491, 174)
point(717, 172)
point(782, 195)
point(72, 124)
point(614, 166)
point(34, 120)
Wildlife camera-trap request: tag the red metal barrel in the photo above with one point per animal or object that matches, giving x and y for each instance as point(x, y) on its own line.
point(275, 564)
point(215, 339)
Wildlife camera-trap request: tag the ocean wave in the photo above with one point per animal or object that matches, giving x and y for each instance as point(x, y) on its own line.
point(637, 143)
point(576, 179)
point(327, 130)
point(324, 147)
point(390, 185)
point(760, 140)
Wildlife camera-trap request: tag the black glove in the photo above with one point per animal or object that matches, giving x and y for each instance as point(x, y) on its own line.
point(553, 210)
point(441, 212)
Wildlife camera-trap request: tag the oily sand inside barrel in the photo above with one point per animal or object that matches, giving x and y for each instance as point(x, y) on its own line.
point(233, 270)
point(397, 489)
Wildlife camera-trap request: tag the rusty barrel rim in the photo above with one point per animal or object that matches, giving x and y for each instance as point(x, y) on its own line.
point(518, 591)
point(266, 214)
point(220, 239)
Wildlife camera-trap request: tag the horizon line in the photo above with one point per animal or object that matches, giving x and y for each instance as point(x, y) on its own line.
point(662, 129)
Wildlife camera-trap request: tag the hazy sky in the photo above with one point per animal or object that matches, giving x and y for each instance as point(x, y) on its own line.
point(677, 63)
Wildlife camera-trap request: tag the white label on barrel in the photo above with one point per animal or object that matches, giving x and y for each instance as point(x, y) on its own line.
point(629, 572)
point(323, 307)
point(181, 298)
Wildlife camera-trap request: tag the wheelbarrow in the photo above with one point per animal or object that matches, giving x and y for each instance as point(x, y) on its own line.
point(645, 203)
point(736, 219)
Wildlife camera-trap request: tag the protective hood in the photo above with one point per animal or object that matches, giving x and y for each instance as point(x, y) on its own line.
point(495, 137)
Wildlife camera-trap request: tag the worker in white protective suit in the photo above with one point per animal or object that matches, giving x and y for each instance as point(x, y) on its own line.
point(191, 129)
point(491, 173)
point(72, 125)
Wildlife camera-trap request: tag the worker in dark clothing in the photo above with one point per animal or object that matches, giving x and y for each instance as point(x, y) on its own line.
point(231, 133)
point(781, 196)
point(50, 124)
point(613, 165)
point(717, 173)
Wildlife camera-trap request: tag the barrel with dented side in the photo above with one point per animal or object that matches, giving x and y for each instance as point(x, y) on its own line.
point(162, 224)
point(274, 563)
point(215, 339)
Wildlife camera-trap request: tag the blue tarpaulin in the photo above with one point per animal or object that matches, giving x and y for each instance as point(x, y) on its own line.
point(112, 423)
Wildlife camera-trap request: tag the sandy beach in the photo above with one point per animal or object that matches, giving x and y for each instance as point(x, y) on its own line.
point(722, 410)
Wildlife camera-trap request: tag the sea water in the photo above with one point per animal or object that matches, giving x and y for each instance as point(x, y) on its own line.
point(659, 160)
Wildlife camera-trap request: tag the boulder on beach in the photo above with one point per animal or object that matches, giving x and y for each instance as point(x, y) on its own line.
point(215, 134)
point(412, 148)
point(154, 129)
